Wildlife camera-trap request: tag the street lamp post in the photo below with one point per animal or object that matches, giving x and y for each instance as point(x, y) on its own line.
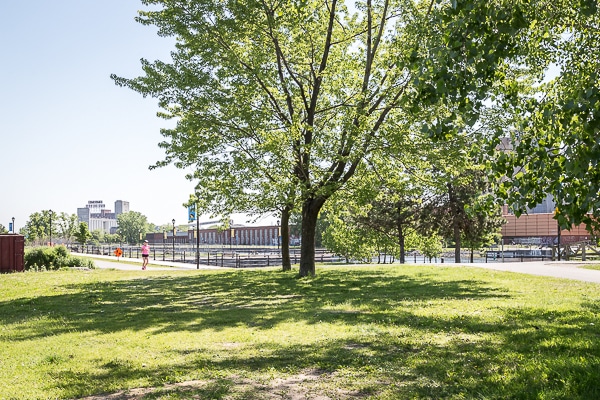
point(50, 211)
point(164, 248)
point(278, 234)
point(13, 227)
point(173, 221)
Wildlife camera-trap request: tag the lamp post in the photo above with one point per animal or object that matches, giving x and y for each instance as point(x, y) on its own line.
point(173, 221)
point(13, 227)
point(278, 234)
point(230, 233)
point(164, 248)
point(197, 242)
point(50, 211)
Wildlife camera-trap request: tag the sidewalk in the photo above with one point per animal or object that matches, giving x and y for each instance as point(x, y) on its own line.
point(124, 263)
point(556, 269)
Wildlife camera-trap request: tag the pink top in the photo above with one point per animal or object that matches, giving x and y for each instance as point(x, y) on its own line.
point(145, 249)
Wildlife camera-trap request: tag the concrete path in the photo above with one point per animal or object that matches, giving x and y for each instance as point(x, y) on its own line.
point(124, 263)
point(556, 269)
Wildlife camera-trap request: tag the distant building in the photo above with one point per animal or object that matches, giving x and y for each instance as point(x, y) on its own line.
point(547, 206)
point(98, 217)
point(539, 227)
point(236, 235)
point(121, 207)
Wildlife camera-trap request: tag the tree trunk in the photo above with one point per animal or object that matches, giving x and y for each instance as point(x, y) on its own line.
point(310, 213)
point(401, 242)
point(454, 207)
point(472, 251)
point(285, 239)
point(456, 242)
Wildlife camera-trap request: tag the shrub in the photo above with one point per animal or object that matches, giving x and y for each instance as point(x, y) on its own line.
point(53, 258)
point(77, 262)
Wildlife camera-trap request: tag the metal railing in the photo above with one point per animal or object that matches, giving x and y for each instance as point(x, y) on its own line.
point(240, 257)
point(255, 256)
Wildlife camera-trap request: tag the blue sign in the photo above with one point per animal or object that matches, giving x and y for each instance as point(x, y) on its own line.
point(10, 227)
point(192, 213)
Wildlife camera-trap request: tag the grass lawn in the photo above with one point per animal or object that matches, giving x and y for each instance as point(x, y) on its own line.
point(373, 332)
point(590, 266)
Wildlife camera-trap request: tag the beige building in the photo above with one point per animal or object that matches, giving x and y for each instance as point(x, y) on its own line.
point(98, 217)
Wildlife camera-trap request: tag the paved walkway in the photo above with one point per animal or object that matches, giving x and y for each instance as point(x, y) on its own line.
point(557, 269)
point(124, 263)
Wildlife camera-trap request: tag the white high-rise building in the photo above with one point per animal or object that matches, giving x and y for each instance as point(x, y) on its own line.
point(121, 207)
point(98, 217)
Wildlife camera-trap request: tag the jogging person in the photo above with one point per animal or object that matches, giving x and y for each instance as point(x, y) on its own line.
point(145, 254)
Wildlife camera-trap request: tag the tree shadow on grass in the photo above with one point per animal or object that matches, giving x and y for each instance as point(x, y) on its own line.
point(527, 353)
point(390, 366)
point(217, 301)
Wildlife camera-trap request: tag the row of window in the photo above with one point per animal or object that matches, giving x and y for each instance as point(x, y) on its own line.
point(243, 236)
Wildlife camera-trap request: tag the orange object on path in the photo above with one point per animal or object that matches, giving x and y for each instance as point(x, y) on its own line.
point(118, 252)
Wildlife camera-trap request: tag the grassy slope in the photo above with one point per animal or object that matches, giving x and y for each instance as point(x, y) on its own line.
point(373, 332)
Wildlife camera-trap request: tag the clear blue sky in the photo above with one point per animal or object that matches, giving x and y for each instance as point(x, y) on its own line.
point(68, 134)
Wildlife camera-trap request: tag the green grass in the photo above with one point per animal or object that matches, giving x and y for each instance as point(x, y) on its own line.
point(393, 332)
point(590, 266)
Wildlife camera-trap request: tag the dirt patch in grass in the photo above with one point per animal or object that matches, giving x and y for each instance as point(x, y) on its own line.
point(302, 386)
point(140, 393)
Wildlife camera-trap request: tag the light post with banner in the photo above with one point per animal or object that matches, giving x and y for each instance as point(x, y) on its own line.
point(164, 248)
point(50, 212)
point(231, 233)
point(173, 238)
point(278, 235)
point(192, 216)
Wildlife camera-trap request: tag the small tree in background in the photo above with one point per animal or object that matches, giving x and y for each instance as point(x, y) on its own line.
point(430, 246)
point(346, 239)
point(97, 237)
point(463, 211)
point(82, 234)
point(37, 228)
point(67, 226)
point(111, 238)
point(131, 225)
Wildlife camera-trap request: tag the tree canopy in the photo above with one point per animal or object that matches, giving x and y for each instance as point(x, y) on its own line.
point(67, 224)
point(279, 102)
point(550, 122)
point(40, 227)
point(82, 233)
point(132, 226)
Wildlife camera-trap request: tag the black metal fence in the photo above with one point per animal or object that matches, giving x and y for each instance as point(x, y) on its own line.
point(242, 257)
point(254, 256)
point(517, 255)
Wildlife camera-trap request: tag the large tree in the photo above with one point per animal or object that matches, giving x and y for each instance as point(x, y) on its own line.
point(279, 102)
point(551, 128)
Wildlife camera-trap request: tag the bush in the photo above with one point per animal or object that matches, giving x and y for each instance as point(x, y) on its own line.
point(53, 258)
